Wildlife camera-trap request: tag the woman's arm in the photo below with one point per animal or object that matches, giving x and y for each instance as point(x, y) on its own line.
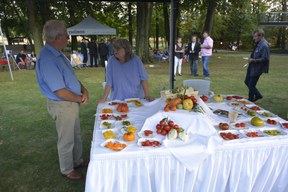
point(146, 90)
point(105, 94)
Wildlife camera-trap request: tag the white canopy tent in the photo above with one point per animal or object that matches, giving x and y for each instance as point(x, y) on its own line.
point(90, 26)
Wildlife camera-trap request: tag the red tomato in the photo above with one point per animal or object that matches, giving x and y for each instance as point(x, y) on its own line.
point(176, 126)
point(238, 125)
point(159, 131)
point(167, 128)
point(171, 123)
point(163, 132)
point(158, 126)
point(243, 124)
point(162, 122)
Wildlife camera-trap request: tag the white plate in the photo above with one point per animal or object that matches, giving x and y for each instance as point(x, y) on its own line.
point(115, 131)
point(269, 129)
point(109, 118)
point(123, 129)
point(245, 102)
point(116, 102)
point(244, 132)
point(232, 125)
point(281, 123)
point(107, 108)
point(234, 104)
point(271, 125)
point(139, 143)
point(252, 105)
point(131, 123)
point(109, 121)
point(235, 132)
point(265, 117)
point(113, 140)
point(141, 134)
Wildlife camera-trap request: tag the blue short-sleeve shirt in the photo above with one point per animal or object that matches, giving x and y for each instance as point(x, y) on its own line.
point(125, 79)
point(54, 72)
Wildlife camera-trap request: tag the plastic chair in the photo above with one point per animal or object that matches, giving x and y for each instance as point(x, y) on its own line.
point(203, 86)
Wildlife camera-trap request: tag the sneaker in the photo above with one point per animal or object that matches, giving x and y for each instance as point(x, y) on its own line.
point(179, 74)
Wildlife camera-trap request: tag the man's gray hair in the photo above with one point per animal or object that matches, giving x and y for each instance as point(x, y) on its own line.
point(53, 28)
point(259, 32)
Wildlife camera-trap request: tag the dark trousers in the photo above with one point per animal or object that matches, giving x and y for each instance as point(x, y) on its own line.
point(92, 56)
point(85, 57)
point(103, 58)
point(251, 82)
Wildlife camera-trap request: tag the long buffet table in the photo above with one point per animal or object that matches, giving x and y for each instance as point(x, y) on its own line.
point(204, 163)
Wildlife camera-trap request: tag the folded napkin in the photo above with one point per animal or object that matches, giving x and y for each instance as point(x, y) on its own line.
point(202, 142)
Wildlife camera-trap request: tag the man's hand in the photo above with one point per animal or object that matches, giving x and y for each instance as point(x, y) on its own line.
point(84, 98)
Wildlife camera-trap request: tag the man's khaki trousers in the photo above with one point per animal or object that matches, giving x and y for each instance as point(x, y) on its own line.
point(69, 145)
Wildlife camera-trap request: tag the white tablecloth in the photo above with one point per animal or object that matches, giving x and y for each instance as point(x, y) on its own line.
point(257, 164)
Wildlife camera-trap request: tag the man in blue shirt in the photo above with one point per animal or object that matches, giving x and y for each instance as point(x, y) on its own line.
point(258, 64)
point(65, 93)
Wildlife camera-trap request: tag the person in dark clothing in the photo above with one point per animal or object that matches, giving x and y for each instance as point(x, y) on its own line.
point(23, 61)
point(193, 50)
point(84, 50)
point(258, 64)
point(93, 52)
point(103, 52)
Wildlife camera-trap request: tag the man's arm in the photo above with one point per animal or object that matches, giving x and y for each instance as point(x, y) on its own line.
point(68, 95)
point(85, 94)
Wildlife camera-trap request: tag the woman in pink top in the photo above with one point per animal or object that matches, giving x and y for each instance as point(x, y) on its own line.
point(206, 53)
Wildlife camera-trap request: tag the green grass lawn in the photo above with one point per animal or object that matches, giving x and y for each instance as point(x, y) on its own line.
point(28, 155)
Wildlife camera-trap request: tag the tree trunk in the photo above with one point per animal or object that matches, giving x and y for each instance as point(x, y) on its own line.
point(210, 15)
point(284, 18)
point(166, 22)
point(25, 28)
point(34, 24)
point(5, 27)
point(157, 32)
point(130, 23)
point(71, 11)
point(144, 14)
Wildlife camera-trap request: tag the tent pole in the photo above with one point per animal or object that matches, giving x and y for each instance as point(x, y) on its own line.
point(171, 46)
point(5, 51)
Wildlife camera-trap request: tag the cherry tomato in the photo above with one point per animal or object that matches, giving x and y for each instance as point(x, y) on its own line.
point(162, 122)
point(158, 126)
point(171, 123)
point(159, 131)
point(176, 126)
point(164, 132)
point(167, 128)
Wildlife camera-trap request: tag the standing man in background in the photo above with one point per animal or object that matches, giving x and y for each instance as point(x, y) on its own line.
point(193, 51)
point(103, 52)
point(93, 52)
point(206, 53)
point(84, 51)
point(65, 93)
point(258, 64)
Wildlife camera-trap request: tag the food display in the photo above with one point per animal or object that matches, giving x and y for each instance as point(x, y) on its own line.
point(115, 145)
point(129, 129)
point(284, 124)
point(107, 124)
point(129, 136)
point(244, 102)
point(257, 122)
point(149, 142)
point(234, 104)
point(237, 97)
point(229, 135)
point(223, 126)
point(126, 123)
point(108, 134)
point(229, 98)
point(218, 98)
point(240, 125)
point(221, 112)
point(267, 114)
point(253, 134)
point(107, 110)
point(113, 103)
point(105, 116)
point(204, 98)
point(251, 113)
point(255, 108)
point(271, 122)
point(135, 101)
point(119, 117)
point(122, 107)
point(273, 132)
